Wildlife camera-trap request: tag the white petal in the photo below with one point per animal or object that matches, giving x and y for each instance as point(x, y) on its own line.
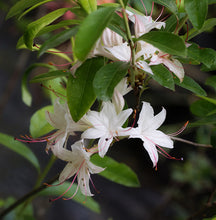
point(122, 117)
point(93, 133)
point(94, 169)
point(83, 180)
point(67, 172)
point(118, 101)
point(158, 120)
point(103, 145)
point(152, 151)
point(144, 66)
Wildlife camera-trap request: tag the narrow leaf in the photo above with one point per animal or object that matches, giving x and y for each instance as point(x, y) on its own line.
point(190, 85)
point(117, 172)
point(90, 30)
point(38, 124)
point(211, 81)
point(165, 41)
point(50, 75)
point(80, 91)
point(197, 11)
point(33, 7)
point(57, 40)
point(163, 76)
point(20, 6)
point(89, 5)
point(107, 78)
point(20, 149)
point(34, 27)
point(26, 96)
point(211, 100)
point(88, 202)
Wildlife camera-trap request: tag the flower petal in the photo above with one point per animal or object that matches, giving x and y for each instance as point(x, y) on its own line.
point(103, 145)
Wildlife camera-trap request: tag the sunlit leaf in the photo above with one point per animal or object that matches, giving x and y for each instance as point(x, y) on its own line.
point(90, 30)
point(20, 149)
point(38, 124)
point(89, 5)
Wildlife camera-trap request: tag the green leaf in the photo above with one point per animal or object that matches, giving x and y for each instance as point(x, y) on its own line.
point(172, 23)
point(90, 30)
point(107, 78)
point(50, 75)
point(57, 39)
point(163, 76)
point(34, 27)
point(88, 202)
point(208, 58)
point(33, 7)
point(170, 4)
point(190, 85)
point(209, 120)
point(38, 124)
point(20, 149)
point(208, 25)
point(117, 172)
point(89, 5)
point(211, 2)
point(165, 41)
point(26, 96)
point(202, 108)
point(80, 91)
point(197, 11)
point(20, 6)
point(211, 81)
point(211, 100)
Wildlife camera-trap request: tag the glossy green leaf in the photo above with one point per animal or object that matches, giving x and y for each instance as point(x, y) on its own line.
point(38, 124)
point(202, 108)
point(57, 39)
point(33, 7)
point(165, 41)
point(211, 81)
point(208, 25)
point(211, 100)
point(172, 22)
point(90, 30)
point(20, 6)
point(163, 76)
point(190, 85)
point(197, 11)
point(80, 91)
point(88, 201)
point(117, 172)
point(34, 27)
point(26, 95)
point(89, 5)
point(20, 149)
point(170, 4)
point(50, 75)
point(107, 78)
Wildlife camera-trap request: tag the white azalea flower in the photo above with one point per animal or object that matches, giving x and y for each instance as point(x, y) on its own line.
point(147, 131)
point(120, 90)
point(143, 24)
point(79, 166)
point(172, 64)
point(62, 121)
point(106, 125)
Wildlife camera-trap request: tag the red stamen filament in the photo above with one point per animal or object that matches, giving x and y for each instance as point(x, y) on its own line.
point(53, 91)
point(180, 130)
point(160, 13)
point(144, 8)
point(152, 10)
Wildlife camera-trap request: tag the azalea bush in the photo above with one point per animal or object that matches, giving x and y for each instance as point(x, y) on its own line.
point(113, 49)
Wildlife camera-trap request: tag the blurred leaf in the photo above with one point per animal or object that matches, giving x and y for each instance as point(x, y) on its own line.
point(211, 1)
point(20, 6)
point(34, 27)
point(197, 11)
point(202, 108)
point(26, 96)
point(89, 5)
point(117, 172)
point(20, 149)
point(170, 4)
point(57, 39)
point(211, 81)
point(50, 75)
point(86, 201)
point(90, 30)
point(211, 100)
point(107, 78)
point(171, 22)
point(33, 7)
point(208, 25)
point(38, 124)
point(166, 41)
point(190, 85)
point(163, 76)
point(208, 120)
point(80, 91)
